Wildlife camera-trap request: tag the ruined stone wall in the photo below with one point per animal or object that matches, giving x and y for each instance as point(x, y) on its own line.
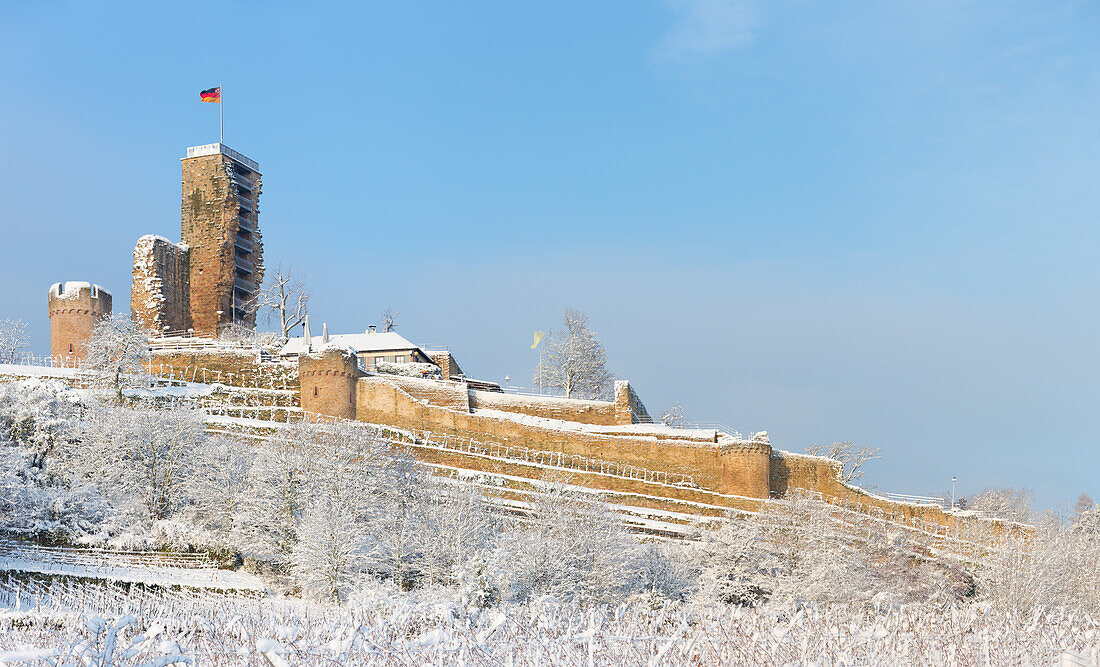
point(585, 412)
point(789, 471)
point(629, 409)
point(74, 309)
point(160, 293)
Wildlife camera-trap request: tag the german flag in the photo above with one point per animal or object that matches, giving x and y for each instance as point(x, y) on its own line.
point(211, 95)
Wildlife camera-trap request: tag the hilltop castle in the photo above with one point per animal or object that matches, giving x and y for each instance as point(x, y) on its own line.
point(190, 292)
point(195, 287)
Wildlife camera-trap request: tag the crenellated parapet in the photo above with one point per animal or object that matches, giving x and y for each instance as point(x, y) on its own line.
point(75, 308)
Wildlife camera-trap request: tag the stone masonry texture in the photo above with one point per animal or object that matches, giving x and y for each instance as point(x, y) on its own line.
point(160, 293)
point(74, 311)
point(209, 225)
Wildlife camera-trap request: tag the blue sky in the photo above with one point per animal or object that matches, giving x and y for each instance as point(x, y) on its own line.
point(865, 221)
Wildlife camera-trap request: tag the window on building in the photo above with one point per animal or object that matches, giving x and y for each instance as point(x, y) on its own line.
point(378, 360)
point(398, 359)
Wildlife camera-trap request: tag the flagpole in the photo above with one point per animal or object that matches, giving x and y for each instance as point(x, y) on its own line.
point(221, 114)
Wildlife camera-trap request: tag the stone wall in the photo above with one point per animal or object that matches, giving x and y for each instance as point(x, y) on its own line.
point(236, 368)
point(381, 401)
point(585, 412)
point(74, 309)
point(628, 407)
point(160, 293)
point(453, 395)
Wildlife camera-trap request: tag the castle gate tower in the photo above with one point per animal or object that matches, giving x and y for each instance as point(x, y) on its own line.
point(219, 223)
point(74, 309)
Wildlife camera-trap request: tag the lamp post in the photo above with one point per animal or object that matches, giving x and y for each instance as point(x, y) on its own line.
point(953, 479)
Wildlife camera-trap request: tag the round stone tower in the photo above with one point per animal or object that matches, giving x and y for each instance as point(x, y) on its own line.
point(745, 468)
point(328, 382)
point(74, 308)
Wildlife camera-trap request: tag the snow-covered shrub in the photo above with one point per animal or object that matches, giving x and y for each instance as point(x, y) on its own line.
point(220, 487)
point(119, 349)
point(1007, 504)
point(39, 494)
point(573, 549)
point(409, 369)
point(140, 458)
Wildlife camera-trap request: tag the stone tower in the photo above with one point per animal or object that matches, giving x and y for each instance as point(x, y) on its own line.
point(74, 309)
point(219, 224)
point(329, 378)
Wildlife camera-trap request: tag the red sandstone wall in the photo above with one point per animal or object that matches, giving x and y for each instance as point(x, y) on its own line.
point(236, 369)
point(567, 409)
point(209, 225)
point(381, 401)
point(442, 393)
point(160, 293)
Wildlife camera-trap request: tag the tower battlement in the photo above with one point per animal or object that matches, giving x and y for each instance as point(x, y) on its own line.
point(74, 308)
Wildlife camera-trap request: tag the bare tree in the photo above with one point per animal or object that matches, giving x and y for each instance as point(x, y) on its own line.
point(118, 346)
point(675, 417)
point(285, 297)
point(388, 320)
point(13, 339)
point(573, 360)
point(851, 455)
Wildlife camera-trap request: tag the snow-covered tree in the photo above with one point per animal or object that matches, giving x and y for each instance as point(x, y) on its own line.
point(220, 486)
point(39, 495)
point(454, 532)
point(13, 340)
point(573, 361)
point(328, 559)
point(674, 417)
point(118, 347)
point(852, 456)
point(275, 508)
point(573, 549)
point(285, 298)
point(1008, 504)
point(141, 457)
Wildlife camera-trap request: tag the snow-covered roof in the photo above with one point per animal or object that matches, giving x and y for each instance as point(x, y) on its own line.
point(363, 342)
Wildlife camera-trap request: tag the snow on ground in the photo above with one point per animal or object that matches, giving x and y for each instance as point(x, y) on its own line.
point(21, 370)
point(62, 622)
point(161, 576)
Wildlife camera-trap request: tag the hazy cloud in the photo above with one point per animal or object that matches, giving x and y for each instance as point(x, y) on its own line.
point(709, 27)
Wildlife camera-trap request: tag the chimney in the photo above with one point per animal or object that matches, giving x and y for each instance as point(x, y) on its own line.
point(324, 333)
